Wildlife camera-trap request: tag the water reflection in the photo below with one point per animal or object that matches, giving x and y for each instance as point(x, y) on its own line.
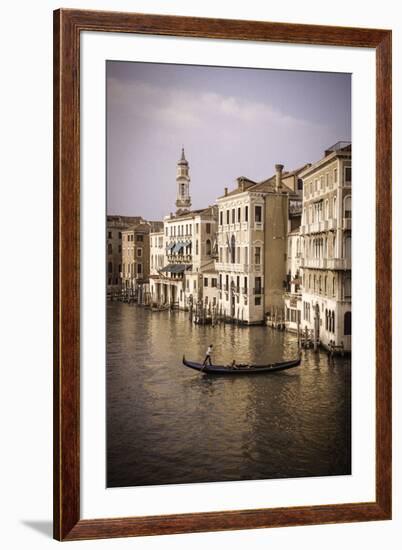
point(169, 424)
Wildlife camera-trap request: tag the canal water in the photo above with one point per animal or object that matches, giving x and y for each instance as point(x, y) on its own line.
point(169, 424)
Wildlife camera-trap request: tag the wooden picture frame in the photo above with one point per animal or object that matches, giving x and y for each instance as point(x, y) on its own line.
point(68, 24)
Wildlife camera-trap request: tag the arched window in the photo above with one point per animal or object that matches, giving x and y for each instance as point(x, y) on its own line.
point(347, 323)
point(233, 249)
point(209, 248)
point(333, 321)
point(326, 319)
point(110, 267)
point(347, 207)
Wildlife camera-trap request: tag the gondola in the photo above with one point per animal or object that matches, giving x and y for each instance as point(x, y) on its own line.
point(242, 368)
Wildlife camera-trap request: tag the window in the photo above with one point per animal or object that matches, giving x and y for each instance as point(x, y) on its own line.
point(221, 218)
point(257, 300)
point(205, 281)
point(140, 238)
point(258, 285)
point(258, 214)
point(347, 323)
point(214, 282)
point(334, 209)
point(196, 246)
point(109, 249)
point(119, 248)
point(227, 217)
point(139, 252)
point(233, 250)
point(120, 235)
point(246, 213)
point(239, 215)
point(348, 207)
point(109, 235)
point(208, 228)
point(110, 267)
point(197, 227)
point(233, 215)
point(299, 184)
point(257, 255)
point(348, 287)
point(348, 248)
point(208, 247)
point(348, 175)
point(246, 255)
point(194, 284)
point(335, 175)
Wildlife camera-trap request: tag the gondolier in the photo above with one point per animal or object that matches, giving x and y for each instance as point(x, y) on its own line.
point(208, 356)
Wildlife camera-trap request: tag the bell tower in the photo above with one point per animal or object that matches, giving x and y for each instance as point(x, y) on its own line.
point(183, 199)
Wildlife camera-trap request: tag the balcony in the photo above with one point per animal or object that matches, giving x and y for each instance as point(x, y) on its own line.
point(339, 263)
point(347, 224)
point(258, 226)
point(326, 263)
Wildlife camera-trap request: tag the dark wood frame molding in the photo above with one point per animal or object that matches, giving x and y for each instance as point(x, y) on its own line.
point(68, 24)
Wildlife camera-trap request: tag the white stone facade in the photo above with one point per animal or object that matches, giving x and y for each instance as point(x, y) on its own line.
point(327, 248)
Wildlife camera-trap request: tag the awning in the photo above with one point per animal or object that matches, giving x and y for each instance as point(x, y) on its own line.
point(170, 246)
point(177, 248)
point(176, 268)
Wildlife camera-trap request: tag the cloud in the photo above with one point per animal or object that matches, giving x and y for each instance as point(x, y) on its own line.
point(196, 110)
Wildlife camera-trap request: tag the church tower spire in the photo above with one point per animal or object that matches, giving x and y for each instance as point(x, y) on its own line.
point(183, 200)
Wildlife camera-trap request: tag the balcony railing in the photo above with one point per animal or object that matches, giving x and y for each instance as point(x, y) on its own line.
point(327, 263)
point(347, 223)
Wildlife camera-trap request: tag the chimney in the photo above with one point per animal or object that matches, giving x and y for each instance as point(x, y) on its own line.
point(226, 191)
point(278, 182)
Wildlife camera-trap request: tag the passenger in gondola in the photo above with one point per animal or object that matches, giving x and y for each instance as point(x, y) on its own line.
point(208, 356)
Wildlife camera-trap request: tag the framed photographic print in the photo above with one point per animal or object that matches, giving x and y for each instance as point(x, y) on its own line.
point(210, 372)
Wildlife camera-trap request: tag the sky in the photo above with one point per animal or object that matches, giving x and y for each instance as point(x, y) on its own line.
point(231, 122)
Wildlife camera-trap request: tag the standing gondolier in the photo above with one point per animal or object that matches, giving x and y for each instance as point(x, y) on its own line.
point(208, 356)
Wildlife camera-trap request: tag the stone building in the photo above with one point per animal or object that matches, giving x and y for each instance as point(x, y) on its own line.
point(252, 240)
point(115, 225)
point(157, 252)
point(189, 247)
point(293, 294)
point(327, 247)
point(136, 258)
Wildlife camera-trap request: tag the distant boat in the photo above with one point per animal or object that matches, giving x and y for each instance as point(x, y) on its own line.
point(242, 368)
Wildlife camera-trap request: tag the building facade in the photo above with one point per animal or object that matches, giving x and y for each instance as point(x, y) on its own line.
point(189, 238)
point(136, 259)
point(252, 240)
point(326, 259)
point(115, 225)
